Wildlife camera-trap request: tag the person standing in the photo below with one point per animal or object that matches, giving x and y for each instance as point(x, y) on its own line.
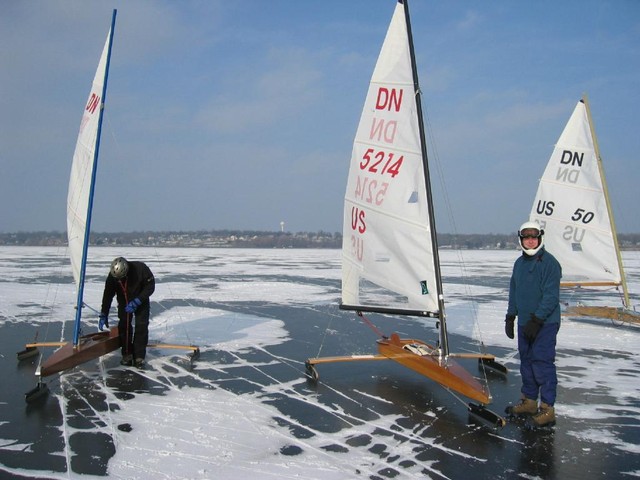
point(132, 283)
point(534, 298)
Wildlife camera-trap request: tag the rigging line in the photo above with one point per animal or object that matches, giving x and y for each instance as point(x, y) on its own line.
point(574, 292)
point(324, 336)
point(621, 297)
point(59, 274)
point(451, 218)
point(49, 303)
point(477, 333)
point(371, 325)
point(178, 313)
point(84, 304)
point(106, 118)
point(456, 396)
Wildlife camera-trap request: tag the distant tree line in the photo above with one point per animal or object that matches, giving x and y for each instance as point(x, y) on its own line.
point(263, 239)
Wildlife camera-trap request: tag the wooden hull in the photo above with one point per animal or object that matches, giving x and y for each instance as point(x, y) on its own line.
point(617, 314)
point(89, 347)
point(446, 372)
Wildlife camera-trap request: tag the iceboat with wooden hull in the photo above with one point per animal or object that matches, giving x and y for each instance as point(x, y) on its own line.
point(572, 206)
point(90, 347)
point(79, 207)
point(390, 261)
point(425, 359)
point(83, 348)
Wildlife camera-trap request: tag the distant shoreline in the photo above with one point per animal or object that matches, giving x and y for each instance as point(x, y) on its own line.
point(263, 239)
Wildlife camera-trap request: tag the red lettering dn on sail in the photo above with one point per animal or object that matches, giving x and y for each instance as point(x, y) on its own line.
point(383, 129)
point(389, 99)
point(92, 104)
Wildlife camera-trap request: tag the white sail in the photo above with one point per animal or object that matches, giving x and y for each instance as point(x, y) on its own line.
point(83, 166)
point(390, 261)
point(387, 253)
point(571, 207)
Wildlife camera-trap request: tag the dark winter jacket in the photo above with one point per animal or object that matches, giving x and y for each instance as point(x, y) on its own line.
point(535, 288)
point(139, 283)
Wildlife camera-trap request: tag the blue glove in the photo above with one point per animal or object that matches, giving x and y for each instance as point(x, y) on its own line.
point(133, 305)
point(103, 322)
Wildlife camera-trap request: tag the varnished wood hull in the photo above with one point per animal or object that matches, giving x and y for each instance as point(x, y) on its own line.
point(617, 314)
point(447, 373)
point(89, 347)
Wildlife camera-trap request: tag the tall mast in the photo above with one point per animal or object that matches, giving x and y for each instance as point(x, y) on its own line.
point(605, 190)
point(444, 342)
point(85, 247)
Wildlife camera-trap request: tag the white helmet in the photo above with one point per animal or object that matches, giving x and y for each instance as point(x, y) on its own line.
point(531, 229)
point(119, 268)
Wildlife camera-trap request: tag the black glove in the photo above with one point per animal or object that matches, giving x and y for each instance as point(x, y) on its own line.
point(532, 328)
point(509, 321)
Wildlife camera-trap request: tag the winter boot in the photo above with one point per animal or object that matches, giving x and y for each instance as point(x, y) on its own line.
point(525, 407)
point(127, 360)
point(546, 416)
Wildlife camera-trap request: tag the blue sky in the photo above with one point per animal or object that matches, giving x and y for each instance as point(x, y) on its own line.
point(241, 114)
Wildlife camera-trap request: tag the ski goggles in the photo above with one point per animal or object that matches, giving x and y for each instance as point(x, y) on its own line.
point(530, 233)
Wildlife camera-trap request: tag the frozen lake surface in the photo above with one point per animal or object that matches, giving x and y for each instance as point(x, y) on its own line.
point(246, 407)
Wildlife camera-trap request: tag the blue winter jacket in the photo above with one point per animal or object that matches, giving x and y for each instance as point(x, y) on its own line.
point(535, 288)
